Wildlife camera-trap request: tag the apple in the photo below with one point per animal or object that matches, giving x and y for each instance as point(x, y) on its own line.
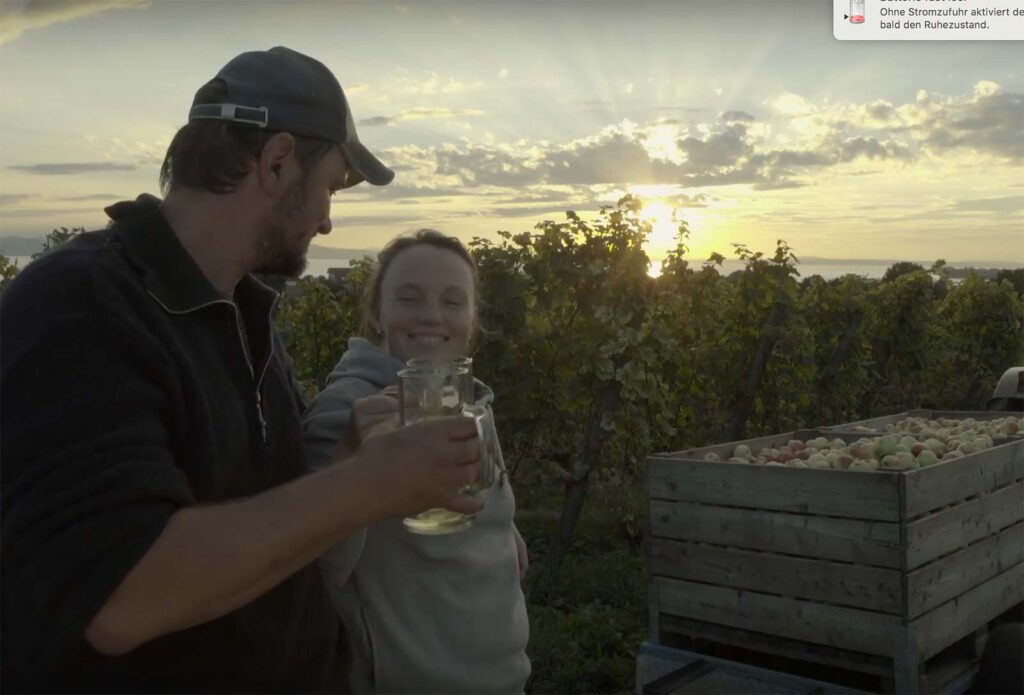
point(954, 454)
point(927, 458)
point(797, 463)
point(908, 441)
point(936, 446)
point(775, 463)
point(741, 451)
point(967, 448)
point(815, 460)
point(711, 456)
point(863, 449)
point(918, 448)
point(843, 462)
point(888, 444)
point(804, 454)
point(907, 460)
point(795, 444)
point(837, 443)
point(864, 465)
point(785, 456)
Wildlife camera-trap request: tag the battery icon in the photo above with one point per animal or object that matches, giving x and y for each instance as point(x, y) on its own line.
point(856, 11)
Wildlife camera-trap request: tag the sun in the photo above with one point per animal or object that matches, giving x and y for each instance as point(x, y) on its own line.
point(664, 225)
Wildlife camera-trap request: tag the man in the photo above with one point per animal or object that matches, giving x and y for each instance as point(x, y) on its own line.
point(158, 532)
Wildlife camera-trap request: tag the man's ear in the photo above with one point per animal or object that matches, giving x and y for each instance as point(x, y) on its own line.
point(277, 157)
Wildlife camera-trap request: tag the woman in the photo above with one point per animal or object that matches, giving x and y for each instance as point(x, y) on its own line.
point(426, 613)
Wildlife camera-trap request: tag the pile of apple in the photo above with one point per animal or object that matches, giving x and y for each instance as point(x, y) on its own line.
point(891, 452)
point(948, 427)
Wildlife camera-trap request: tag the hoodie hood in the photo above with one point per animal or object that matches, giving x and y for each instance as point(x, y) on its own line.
point(369, 363)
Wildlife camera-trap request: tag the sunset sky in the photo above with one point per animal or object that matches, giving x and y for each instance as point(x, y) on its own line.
point(748, 118)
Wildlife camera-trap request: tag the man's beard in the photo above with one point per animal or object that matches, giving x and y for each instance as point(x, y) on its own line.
point(277, 258)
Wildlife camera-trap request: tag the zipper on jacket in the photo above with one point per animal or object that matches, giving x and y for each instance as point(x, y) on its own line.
point(245, 350)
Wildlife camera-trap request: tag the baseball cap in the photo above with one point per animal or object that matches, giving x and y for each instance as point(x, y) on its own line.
point(284, 90)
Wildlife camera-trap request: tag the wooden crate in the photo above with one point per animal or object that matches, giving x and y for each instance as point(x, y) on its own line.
point(878, 423)
point(873, 572)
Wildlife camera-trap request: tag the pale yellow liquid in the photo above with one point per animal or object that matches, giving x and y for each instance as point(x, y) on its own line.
point(435, 522)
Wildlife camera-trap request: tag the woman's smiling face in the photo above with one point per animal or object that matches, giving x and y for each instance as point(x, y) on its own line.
point(427, 304)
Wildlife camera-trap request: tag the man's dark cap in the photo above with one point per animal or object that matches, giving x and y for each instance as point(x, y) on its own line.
point(284, 90)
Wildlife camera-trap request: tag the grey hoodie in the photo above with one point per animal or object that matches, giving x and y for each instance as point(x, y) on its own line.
point(427, 614)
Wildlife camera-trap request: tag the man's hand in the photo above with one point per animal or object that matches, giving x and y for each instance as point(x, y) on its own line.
point(524, 558)
point(423, 466)
point(370, 416)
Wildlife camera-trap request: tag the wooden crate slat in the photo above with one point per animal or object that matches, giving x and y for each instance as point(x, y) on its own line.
point(842, 584)
point(755, 444)
point(958, 618)
point(852, 494)
point(943, 532)
point(933, 487)
point(951, 576)
point(834, 626)
point(870, 542)
point(773, 644)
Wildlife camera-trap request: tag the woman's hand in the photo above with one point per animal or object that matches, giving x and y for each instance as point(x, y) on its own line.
point(524, 557)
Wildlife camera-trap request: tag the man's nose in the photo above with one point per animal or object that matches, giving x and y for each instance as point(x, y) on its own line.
point(325, 226)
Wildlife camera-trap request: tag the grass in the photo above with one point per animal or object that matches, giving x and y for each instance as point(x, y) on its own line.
point(588, 617)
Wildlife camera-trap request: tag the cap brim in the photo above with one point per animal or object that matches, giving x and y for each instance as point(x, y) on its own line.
point(367, 167)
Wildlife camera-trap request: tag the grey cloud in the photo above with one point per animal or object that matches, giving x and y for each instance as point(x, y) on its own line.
point(881, 111)
point(993, 124)
point(8, 198)
point(94, 196)
point(530, 211)
point(1004, 204)
point(873, 149)
point(682, 109)
point(481, 165)
point(721, 149)
point(614, 159)
point(417, 115)
point(733, 116)
point(366, 220)
point(68, 168)
point(778, 185)
point(20, 16)
point(55, 213)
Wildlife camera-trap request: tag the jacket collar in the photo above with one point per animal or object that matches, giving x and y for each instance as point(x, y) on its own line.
point(170, 274)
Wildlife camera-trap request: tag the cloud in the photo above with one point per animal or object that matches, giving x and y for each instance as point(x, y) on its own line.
point(990, 122)
point(94, 196)
point(433, 85)
point(503, 73)
point(1013, 204)
point(342, 221)
point(682, 109)
point(8, 198)
point(20, 16)
point(417, 115)
point(69, 168)
point(737, 116)
point(55, 213)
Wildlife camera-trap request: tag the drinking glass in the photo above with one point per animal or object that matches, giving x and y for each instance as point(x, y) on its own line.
point(430, 389)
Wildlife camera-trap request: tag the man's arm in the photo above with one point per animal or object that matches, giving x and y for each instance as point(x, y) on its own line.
point(212, 560)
